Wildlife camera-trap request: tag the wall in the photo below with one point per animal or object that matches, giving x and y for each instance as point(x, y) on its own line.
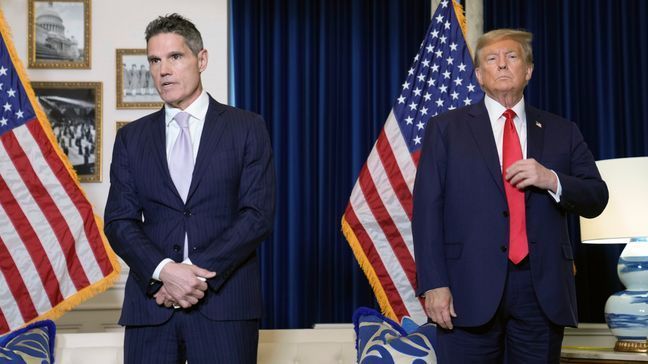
point(120, 24)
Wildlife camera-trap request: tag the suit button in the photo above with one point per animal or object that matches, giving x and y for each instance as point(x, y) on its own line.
point(187, 213)
point(176, 248)
point(195, 248)
point(505, 213)
point(503, 248)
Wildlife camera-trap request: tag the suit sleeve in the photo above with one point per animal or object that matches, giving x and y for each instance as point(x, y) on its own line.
point(584, 192)
point(427, 219)
point(123, 221)
point(255, 216)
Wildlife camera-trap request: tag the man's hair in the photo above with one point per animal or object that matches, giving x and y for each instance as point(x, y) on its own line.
point(176, 23)
point(522, 37)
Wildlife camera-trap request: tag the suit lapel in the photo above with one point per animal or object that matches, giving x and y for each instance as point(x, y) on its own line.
point(535, 136)
point(483, 133)
point(159, 146)
point(211, 135)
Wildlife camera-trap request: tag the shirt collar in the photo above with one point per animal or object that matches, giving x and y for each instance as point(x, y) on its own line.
point(197, 109)
point(495, 109)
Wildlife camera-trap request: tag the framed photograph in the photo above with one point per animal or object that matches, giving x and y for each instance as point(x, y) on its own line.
point(74, 112)
point(120, 124)
point(135, 89)
point(59, 33)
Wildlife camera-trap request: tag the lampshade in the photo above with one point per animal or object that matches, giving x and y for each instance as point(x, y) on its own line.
point(625, 220)
point(626, 214)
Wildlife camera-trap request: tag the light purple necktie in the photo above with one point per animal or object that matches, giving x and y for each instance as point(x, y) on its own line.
point(181, 163)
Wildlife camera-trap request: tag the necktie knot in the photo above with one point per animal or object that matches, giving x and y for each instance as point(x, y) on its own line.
point(509, 114)
point(182, 118)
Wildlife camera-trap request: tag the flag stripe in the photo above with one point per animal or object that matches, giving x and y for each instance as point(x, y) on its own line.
point(4, 325)
point(31, 243)
point(392, 205)
point(386, 223)
point(10, 315)
point(71, 211)
point(98, 256)
point(383, 246)
point(400, 150)
point(49, 210)
point(382, 250)
point(35, 216)
point(16, 286)
point(415, 157)
point(26, 267)
point(395, 301)
point(393, 172)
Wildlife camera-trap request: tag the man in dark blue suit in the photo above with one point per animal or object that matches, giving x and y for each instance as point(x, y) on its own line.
point(495, 183)
point(192, 191)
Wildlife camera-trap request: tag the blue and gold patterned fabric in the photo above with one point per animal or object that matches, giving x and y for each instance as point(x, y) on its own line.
point(33, 344)
point(380, 340)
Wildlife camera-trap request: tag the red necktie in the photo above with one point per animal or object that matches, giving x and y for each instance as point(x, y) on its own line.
point(512, 152)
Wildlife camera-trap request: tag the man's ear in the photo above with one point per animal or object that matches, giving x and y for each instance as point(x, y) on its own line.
point(529, 72)
point(202, 59)
point(478, 75)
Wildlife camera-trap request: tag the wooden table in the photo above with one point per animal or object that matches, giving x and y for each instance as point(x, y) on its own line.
point(600, 355)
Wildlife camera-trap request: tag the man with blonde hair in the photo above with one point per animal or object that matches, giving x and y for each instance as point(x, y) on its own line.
point(495, 183)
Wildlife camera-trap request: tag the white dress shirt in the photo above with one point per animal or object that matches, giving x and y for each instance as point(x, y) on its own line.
point(495, 111)
point(197, 111)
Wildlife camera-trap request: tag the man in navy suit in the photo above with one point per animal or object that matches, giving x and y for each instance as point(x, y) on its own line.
point(495, 183)
point(191, 197)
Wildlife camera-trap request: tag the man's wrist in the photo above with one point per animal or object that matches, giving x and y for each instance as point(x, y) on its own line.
point(556, 195)
point(158, 269)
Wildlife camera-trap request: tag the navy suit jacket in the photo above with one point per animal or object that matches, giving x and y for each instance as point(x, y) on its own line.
point(228, 212)
point(460, 220)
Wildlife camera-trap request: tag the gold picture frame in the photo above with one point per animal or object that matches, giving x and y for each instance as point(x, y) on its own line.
point(74, 111)
point(59, 34)
point(135, 89)
point(120, 124)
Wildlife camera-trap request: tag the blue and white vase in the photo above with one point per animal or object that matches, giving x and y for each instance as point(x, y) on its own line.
point(626, 312)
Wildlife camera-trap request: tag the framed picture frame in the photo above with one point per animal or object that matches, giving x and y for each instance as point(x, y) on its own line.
point(59, 34)
point(135, 89)
point(74, 111)
point(120, 124)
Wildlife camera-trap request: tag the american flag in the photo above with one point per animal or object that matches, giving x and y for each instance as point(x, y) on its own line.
point(53, 255)
point(377, 220)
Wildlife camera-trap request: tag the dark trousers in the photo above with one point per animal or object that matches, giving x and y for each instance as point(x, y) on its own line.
point(191, 337)
point(518, 333)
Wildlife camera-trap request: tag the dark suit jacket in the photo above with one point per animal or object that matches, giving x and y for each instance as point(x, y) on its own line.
point(460, 220)
point(229, 211)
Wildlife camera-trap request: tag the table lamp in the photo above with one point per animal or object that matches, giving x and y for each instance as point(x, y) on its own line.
point(625, 221)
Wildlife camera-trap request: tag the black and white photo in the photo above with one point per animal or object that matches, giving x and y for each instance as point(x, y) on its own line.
point(74, 112)
point(59, 34)
point(135, 89)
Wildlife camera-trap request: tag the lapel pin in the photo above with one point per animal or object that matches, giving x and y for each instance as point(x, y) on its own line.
point(538, 124)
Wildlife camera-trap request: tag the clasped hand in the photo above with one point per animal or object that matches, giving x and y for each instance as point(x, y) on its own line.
point(182, 285)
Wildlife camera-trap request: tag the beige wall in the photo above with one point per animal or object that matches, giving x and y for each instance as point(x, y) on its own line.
point(121, 24)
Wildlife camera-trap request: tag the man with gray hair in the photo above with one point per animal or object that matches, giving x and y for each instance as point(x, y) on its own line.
point(191, 198)
point(495, 183)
